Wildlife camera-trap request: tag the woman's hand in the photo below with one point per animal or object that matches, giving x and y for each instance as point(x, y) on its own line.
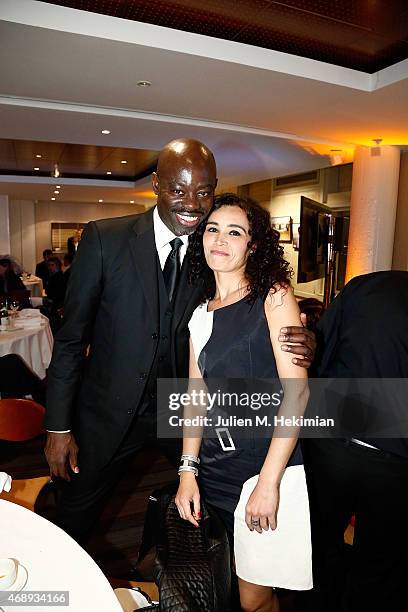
point(262, 507)
point(188, 492)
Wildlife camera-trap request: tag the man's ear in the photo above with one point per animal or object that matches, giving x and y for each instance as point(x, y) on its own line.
point(155, 183)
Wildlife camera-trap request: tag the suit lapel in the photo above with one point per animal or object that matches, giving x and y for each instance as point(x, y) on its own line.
point(143, 248)
point(187, 297)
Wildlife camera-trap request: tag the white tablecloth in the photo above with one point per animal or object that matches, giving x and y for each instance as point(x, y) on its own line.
point(54, 562)
point(33, 345)
point(34, 284)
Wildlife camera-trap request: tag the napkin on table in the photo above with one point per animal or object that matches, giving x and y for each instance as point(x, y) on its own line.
point(29, 313)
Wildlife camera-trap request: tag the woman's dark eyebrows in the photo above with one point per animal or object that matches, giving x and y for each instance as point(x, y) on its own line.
point(212, 223)
point(236, 225)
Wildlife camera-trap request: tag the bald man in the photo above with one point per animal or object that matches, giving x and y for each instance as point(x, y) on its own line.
point(129, 301)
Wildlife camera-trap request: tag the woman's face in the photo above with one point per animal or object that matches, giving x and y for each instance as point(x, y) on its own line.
point(226, 239)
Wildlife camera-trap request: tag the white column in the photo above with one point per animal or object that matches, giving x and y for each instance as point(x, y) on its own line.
point(4, 226)
point(373, 209)
point(22, 232)
point(400, 256)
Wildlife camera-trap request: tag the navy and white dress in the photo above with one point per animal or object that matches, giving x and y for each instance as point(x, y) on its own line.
point(233, 342)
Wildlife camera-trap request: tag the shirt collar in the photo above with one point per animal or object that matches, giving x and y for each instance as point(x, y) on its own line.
point(162, 234)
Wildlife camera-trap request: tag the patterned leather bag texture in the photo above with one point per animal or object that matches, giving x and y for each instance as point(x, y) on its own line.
point(192, 567)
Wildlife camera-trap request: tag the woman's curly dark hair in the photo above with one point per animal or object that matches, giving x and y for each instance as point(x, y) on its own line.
point(266, 269)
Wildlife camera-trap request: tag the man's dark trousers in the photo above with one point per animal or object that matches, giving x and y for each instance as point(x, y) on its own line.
point(345, 478)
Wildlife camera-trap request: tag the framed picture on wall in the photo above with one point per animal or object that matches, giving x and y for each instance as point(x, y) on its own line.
point(283, 225)
point(62, 234)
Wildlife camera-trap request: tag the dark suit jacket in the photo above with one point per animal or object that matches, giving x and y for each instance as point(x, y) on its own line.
point(56, 288)
point(71, 246)
point(11, 282)
point(364, 334)
point(41, 270)
point(112, 304)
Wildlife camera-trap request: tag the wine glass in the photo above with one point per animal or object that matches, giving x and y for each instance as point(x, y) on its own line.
point(14, 305)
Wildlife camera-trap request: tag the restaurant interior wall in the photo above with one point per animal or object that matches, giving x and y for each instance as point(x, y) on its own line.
point(75, 212)
point(22, 233)
point(400, 254)
point(4, 224)
point(333, 188)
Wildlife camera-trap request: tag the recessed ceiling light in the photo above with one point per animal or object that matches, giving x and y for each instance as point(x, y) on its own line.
point(38, 155)
point(100, 201)
point(56, 191)
point(108, 172)
point(36, 168)
point(132, 201)
point(53, 198)
point(144, 83)
point(123, 161)
point(58, 187)
point(105, 132)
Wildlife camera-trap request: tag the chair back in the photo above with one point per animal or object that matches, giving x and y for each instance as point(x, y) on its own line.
point(20, 419)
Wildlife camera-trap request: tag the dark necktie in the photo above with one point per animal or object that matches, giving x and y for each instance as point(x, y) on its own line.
point(171, 270)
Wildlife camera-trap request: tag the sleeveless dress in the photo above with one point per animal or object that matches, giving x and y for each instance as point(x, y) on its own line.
point(233, 342)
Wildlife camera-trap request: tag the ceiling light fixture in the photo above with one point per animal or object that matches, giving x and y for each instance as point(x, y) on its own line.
point(143, 83)
point(105, 132)
point(132, 201)
point(108, 172)
point(39, 156)
point(100, 201)
point(123, 161)
point(53, 198)
point(58, 187)
point(36, 168)
point(56, 173)
point(57, 192)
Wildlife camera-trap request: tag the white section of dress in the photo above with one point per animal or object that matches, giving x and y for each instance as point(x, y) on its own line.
point(200, 326)
point(283, 557)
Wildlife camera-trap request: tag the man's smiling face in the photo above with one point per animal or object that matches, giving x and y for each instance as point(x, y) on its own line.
point(184, 184)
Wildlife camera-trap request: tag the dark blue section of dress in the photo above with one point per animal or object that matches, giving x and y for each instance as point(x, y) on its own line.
point(239, 348)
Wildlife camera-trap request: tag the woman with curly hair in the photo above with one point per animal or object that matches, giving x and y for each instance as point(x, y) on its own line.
point(256, 484)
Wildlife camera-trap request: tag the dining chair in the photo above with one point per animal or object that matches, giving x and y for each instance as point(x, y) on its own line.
point(22, 420)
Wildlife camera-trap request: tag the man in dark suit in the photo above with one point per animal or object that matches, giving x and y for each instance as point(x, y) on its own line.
point(130, 303)
point(41, 269)
point(363, 335)
point(73, 242)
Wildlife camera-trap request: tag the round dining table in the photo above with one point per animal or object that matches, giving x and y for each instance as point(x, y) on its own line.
point(52, 566)
point(34, 345)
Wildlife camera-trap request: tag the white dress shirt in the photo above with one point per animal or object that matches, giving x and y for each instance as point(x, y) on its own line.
point(162, 238)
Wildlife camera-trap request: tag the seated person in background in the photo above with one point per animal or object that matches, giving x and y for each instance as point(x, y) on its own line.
point(68, 259)
point(56, 286)
point(9, 280)
point(17, 380)
point(41, 269)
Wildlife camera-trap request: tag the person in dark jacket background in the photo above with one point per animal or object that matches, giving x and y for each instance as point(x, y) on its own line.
point(363, 335)
point(41, 269)
point(9, 280)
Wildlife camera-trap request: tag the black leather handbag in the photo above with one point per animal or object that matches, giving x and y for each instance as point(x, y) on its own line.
point(192, 566)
